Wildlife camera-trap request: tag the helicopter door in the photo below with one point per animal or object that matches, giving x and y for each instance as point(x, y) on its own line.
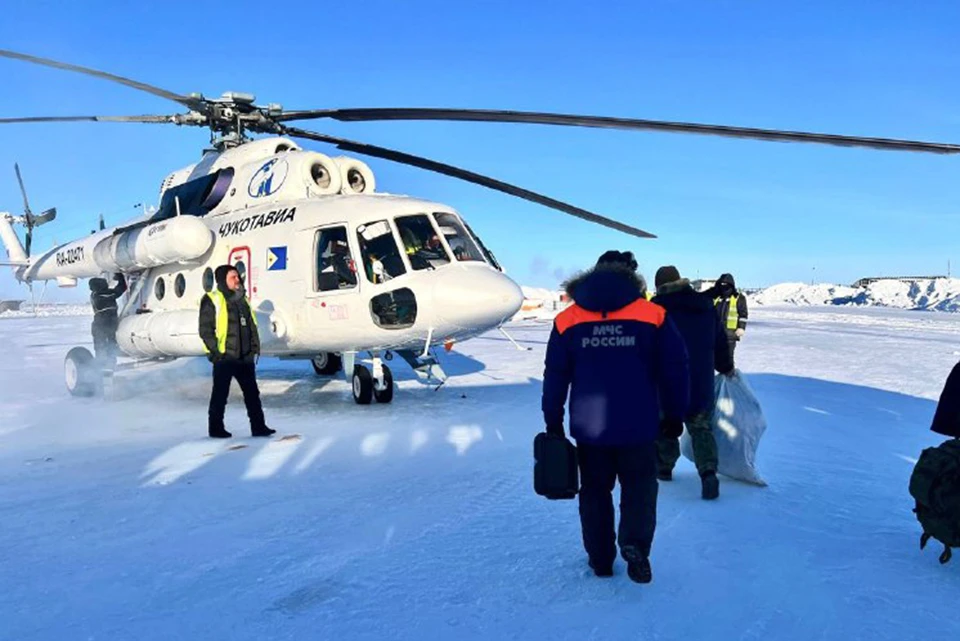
point(240, 258)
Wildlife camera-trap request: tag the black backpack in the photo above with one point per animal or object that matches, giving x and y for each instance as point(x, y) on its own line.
point(555, 472)
point(935, 485)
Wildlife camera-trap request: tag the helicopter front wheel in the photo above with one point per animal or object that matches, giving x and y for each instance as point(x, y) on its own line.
point(383, 391)
point(362, 385)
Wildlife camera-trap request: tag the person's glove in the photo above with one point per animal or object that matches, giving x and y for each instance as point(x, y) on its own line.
point(214, 357)
point(555, 429)
point(671, 428)
point(740, 332)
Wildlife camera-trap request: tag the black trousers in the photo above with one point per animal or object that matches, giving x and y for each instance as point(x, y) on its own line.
point(104, 342)
point(636, 469)
point(732, 342)
point(246, 375)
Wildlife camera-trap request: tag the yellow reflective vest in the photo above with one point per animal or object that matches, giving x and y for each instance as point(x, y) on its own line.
point(220, 305)
point(733, 317)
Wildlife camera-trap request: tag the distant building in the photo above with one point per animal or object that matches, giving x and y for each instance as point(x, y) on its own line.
point(10, 305)
point(863, 282)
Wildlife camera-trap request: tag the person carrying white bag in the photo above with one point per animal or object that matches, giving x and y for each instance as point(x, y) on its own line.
point(738, 424)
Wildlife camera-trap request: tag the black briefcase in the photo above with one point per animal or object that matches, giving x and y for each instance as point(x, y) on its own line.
point(555, 472)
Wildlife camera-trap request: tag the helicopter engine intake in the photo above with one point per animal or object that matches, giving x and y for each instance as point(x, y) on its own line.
point(356, 175)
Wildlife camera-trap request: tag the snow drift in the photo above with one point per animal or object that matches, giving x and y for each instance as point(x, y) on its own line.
point(934, 294)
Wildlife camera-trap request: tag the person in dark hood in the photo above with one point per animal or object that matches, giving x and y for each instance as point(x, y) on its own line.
point(731, 308)
point(228, 328)
point(946, 420)
point(103, 299)
point(622, 362)
point(707, 350)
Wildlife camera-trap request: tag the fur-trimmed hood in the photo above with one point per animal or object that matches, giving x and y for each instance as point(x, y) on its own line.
point(680, 295)
point(605, 288)
point(675, 286)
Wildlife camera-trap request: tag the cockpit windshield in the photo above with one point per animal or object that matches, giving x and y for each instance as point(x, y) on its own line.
point(462, 246)
point(381, 256)
point(486, 252)
point(421, 242)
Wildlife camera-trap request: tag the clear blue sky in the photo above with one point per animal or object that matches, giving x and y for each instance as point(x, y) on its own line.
point(768, 212)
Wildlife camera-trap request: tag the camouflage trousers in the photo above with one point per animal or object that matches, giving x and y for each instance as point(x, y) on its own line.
point(704, 446)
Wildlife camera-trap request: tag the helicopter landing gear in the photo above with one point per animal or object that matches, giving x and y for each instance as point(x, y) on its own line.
point(327, 363)
point(382, 381)
point(362, 384)
point(368, 385)
point(80, 372)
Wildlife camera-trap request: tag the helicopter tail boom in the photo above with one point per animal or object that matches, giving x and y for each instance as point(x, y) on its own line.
point(16, 254)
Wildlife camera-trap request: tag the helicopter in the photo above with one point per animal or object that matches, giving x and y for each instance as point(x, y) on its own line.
point(333, 268)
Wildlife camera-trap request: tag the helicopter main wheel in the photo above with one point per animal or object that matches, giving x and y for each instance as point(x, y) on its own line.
point(362, 385)
point(385, 395)
point(80, 372)
point(327, 363)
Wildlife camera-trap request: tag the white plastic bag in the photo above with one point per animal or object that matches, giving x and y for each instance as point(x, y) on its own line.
point(737, 425)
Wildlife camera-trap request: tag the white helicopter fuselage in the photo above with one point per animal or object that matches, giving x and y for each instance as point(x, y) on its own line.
point(326, 269)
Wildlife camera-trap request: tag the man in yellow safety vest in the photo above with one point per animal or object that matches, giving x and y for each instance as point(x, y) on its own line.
point(228, 328)
point(731, 306)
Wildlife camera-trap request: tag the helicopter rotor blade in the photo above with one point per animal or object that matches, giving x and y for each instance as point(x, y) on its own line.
point(469, 176)
point(23, 191)
point(187, 101)
point(485, 115)
point(139, 119)
point(45, 217)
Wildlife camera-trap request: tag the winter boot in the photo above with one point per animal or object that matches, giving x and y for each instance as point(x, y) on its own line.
point(711, 486)
point(638, 566)
point(263, 430)
point(602, 570)
point(665, 475)
point(219, 432)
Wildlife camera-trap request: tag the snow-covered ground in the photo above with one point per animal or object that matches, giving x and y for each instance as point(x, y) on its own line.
point(418, 520)
point(28, 310)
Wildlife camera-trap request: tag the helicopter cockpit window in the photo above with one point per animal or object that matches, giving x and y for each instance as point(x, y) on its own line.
point(461, 244)
point(335, 267)
point(378, 248)
point(486, 252)
point(421, 242)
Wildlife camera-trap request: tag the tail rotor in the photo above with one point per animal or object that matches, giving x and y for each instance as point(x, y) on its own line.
point(29, 220)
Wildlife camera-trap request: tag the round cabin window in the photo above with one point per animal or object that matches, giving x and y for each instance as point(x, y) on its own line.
point(242, 270)
point(180, 285)
point(159, 288)
point(208, 279)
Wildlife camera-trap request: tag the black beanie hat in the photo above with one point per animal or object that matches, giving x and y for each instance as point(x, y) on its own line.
point(614, 257)
point(666, 274)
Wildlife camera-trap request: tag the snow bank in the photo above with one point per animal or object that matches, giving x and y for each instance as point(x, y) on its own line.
point(935, 294)
point(800, 294)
